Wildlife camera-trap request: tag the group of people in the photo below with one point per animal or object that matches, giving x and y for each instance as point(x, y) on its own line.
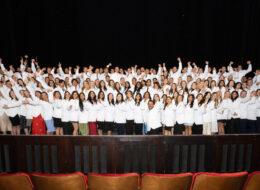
point(181, 100)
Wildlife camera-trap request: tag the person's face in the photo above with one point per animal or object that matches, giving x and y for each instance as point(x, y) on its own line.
point(238, 86)
point(38, 94)
point(101, 95)
point(146, 95)
point(169, 100)
point(44, 96)
point(138, 97)
point(258, 93)
point(110, 97)
point(200, 97)
point(179, 98)
point(174, 69)
point(156, 98)
point(119, 97)
point(57, 95)
point(92, 95)
point(243, 94)
point(234, 95)
point(75, 95)
point(214, 96)
point(249, 82)
point(150, 105)
point(189, 98)
point(129, 95)
point(226, 95)
point(239, 68)
point(148, 83)
point(208, 96)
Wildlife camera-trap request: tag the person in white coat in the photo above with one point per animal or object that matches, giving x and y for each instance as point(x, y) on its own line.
point(92, 107)
point(153, 121)
point(109, 110)
point(251, 112)
point(57, 110)
point(207, 116)
point(65, 114)
point(12, 110)
point(198, 115)
point(83, 115)
point(169, 116)
point(100, 112)
point(120, 114)
point(189, 115)
point(223, 110)
point(144, 105)
point(74, 111)
point(258, 110)
point(180, 115)
point(138, 114)
point(214, 122)
point(130, 104)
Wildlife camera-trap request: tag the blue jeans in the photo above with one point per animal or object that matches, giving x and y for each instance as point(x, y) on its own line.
point(144, 129)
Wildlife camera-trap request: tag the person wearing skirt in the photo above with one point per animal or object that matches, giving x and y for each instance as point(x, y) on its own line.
point(92, 108)
point(5, 123)
point(74, 111)
point(109, 107)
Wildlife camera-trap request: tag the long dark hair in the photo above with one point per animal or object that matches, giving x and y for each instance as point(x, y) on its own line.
point(121, 96)
point(204, 97)
point(112, 101)
point(138, 103)
point(233, 99)
point(192, 101)
point(81, 106)
point(92, 101)
point(138, 89)
point(103, 96)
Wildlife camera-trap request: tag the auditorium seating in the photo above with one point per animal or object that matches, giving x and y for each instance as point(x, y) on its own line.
point(15, 181)
point(128, 181)
point(131, 181)
point(166, 181)
point(59, 181)
point(253, 181)
point(215, 181)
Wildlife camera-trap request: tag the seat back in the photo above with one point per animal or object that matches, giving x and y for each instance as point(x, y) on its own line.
point(15, 181)
point(59, 181)
point(166, 181)
point(128, 181)
point(215, 181)
point(253, 181)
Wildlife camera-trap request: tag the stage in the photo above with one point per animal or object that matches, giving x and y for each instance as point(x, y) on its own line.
point(122, 154)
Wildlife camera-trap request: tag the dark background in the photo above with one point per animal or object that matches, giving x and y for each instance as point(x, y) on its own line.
point(129, 32)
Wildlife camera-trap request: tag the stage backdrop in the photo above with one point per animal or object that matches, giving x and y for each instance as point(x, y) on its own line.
point(129, 32)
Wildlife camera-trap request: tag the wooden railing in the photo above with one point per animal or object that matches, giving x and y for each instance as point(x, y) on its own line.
point(122, 154)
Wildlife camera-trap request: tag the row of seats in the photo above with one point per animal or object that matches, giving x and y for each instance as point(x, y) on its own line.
point(131, 181)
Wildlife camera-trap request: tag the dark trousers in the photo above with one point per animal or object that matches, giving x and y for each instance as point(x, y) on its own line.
point(138, 128)
point(129, 127)
point(252, 126)
point(243, 126)
point(258, 125)
point(227, 127)
point(234, 126)
point(197, 129)
point(120, 127)
point(67, 128)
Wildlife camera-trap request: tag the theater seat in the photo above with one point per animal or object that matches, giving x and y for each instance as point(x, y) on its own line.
point(113, 181)
point(253, 181)
point(215, 181)
point(166, 181)
point(71, 181)
point(15, 181)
